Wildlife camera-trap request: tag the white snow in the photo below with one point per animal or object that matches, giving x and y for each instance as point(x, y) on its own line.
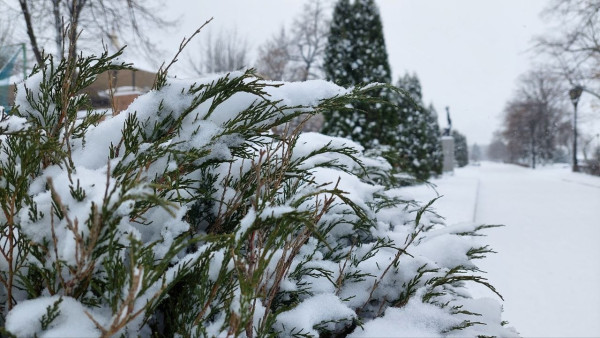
point(547, 265)
point(71, 321)
point(313, 311)
point(246, 223)
point(416, 319)
point(12, 124)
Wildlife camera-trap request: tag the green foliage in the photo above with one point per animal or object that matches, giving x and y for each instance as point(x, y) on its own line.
point(397, 125)
point(434, 143)
point(52, 313)
point(461, 149)
point(191, 218)
point(356, 54)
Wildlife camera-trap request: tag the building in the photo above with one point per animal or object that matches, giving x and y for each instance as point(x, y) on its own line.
point(112, 89)
point(117, 89)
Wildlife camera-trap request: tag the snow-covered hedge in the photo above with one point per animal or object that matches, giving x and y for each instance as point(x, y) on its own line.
point(185, 215)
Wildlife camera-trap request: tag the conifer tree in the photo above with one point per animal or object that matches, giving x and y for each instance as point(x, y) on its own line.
point(338, 53)
point(356, 54)
point(434, 135)
point(461, 151)
point(419, 148)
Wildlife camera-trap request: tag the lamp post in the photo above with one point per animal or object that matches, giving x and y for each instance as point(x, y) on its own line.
point(575, 94)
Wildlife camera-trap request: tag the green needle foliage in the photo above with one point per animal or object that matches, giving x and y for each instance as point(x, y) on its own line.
point(184, 215)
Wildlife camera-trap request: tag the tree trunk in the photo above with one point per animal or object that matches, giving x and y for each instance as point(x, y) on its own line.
point(39, 58)
point(76, 7)
point(58, 28)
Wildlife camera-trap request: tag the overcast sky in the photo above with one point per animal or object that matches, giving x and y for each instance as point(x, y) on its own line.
point(467, 53)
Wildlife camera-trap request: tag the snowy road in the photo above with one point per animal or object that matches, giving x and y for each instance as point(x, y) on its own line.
point(548, 261)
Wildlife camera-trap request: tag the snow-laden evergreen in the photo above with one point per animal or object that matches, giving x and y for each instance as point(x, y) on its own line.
point(356, 54)
point(419, 145)
point(434, 142)
point(395, 126)
point(185, 215)
point(461, 149)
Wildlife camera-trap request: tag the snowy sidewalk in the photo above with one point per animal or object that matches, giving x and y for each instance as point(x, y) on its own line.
point(548, 261)
point(459, 193)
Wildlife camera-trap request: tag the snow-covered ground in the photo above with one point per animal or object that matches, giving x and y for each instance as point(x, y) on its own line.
point(548, 261)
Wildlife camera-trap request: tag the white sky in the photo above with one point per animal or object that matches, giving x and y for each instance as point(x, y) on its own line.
point(467, 53)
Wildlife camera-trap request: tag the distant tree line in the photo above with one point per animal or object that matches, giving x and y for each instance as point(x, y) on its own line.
point(50, 25)
point(349, 49)
point(346, 47)
point(538, 120)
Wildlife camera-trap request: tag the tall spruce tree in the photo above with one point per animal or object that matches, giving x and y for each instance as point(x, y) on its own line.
point(419, 148)
point(338, 52)
point(356, 54)
point(461, 150)
point(436, 156)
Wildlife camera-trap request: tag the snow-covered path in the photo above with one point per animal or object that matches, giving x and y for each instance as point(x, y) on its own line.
point(548, 261)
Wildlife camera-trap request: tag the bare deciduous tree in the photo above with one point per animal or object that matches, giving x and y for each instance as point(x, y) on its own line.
point(310, 32)
point(274, 58)
point(576, 46)
point(533, 116)
point(224, 53)
point(283, 59)
point(497, 150)
point(297, 57)
point(87, 20)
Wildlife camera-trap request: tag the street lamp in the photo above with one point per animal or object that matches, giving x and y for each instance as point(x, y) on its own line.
point(575, 94)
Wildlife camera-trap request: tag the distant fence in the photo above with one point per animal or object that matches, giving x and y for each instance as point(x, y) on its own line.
point(11, 56)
